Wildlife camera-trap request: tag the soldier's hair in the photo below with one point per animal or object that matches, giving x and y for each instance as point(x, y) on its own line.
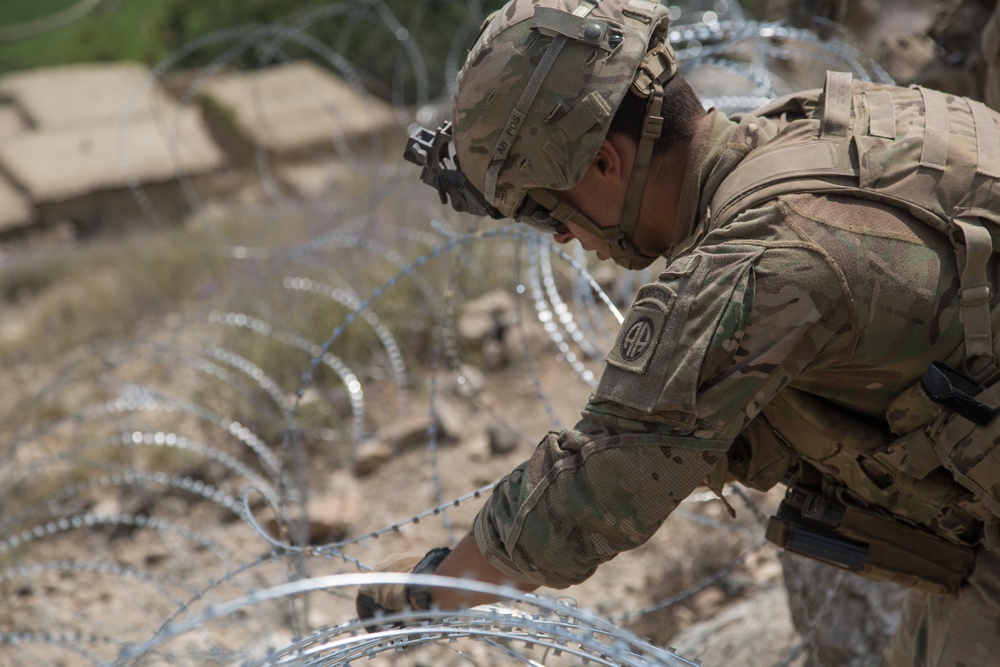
point(681, 111)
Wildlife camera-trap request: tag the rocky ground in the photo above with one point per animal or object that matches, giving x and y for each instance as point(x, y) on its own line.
point(125, 459)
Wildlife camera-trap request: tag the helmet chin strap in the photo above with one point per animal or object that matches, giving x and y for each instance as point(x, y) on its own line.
point(652, 126)
point(623, 250)
point(658, 66)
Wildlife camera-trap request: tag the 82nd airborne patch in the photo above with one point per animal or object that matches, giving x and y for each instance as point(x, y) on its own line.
point(637, 339)
point(641, 331)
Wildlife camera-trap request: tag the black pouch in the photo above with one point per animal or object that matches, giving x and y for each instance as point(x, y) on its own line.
point(868, 543)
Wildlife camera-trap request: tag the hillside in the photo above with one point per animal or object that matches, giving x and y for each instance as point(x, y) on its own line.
point(248, 354)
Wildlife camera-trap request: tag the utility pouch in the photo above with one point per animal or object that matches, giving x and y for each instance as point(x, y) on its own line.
point(964, 436)
point(868, 543)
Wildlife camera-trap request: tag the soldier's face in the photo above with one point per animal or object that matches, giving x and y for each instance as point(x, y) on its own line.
point(590, 242)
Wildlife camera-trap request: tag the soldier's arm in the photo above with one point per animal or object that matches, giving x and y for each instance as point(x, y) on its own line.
point(466, 561)
point(584, 496)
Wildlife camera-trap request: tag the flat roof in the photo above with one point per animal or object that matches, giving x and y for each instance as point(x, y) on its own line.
point(58, 164)
point(54, 97)
point(297, 105)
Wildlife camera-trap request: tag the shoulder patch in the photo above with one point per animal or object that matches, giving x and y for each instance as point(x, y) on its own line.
point(641, 331)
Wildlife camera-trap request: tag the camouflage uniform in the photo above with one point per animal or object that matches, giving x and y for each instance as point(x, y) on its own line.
point(959, 630)
point(806, 316)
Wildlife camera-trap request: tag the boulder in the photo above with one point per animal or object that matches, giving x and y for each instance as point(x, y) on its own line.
point(853, 628)
point(370, 455)
point(414, 430)
point(11, 122)
point(293, 110)
point(755, 630)
point(485, 322)
point(77, 140)
point(331, 514)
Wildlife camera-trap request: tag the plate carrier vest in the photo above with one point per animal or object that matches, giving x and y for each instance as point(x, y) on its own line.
point(937, 157)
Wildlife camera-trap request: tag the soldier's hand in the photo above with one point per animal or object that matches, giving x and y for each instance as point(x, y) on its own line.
point(378, 599)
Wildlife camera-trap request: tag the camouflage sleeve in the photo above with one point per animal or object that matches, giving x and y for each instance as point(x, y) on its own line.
point(700, 353)
point(584, 496)
point(754, 308)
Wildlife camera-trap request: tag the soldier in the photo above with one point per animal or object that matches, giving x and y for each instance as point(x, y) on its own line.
point(823, 318)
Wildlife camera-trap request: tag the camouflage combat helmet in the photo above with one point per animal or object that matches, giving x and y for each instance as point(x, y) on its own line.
point(534, 102)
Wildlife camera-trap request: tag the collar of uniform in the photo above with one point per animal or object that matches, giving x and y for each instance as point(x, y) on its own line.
point(708, 142)
point(718, 145)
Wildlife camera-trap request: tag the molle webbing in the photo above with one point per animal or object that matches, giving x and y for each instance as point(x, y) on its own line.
point(852, 161)
point(552, 21)
point(934, 153)
point(808, 166)
point(935, 157)
point(592, 110)
point(987, 141)
point(954, 440)
point(837, 113)
point(881, 113)
point(513, 125)
point(837, 154)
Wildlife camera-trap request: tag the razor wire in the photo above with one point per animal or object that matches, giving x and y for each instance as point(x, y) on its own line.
point(216, 491)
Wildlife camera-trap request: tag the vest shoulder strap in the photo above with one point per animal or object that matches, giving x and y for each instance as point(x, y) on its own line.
point(827, 152)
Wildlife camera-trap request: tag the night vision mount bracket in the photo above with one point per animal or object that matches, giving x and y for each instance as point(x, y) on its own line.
point(431, 150)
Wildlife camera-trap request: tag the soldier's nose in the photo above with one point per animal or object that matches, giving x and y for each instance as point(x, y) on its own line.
point(563, 235)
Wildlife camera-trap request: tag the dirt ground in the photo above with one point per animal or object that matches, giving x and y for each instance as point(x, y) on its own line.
point(122, 493)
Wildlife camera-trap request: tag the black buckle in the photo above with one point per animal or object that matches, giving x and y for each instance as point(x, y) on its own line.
point(955, 392)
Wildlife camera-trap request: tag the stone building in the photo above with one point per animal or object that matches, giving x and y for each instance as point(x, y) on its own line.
point(100, 146)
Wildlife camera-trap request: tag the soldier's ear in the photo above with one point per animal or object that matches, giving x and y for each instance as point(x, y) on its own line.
point(609, 162)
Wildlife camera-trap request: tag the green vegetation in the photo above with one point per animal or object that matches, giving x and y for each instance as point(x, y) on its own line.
point(122, 287)
point(15, 13)
point(372, 35)
point(100, 290)
point(129, 30)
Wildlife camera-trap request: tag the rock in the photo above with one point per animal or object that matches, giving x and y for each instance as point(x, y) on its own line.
point(502, 440)
point(477, 446)
point(11, 122)
point(331, 515)
point(311, 396)
point(487, 316)
point(414, 430)
point(451, 419)
point(406, 432)
point(370, 455)
point(50, 98)
point(15, 209)
point(469, 381)
point(486, 322)
point(295, 110)
point(856, 628)
point(753, 631)
point(315, 180)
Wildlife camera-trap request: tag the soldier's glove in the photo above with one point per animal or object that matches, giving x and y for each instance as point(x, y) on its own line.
point(377, 599)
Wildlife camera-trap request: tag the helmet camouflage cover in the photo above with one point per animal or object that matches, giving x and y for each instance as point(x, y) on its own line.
point(538, 90)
